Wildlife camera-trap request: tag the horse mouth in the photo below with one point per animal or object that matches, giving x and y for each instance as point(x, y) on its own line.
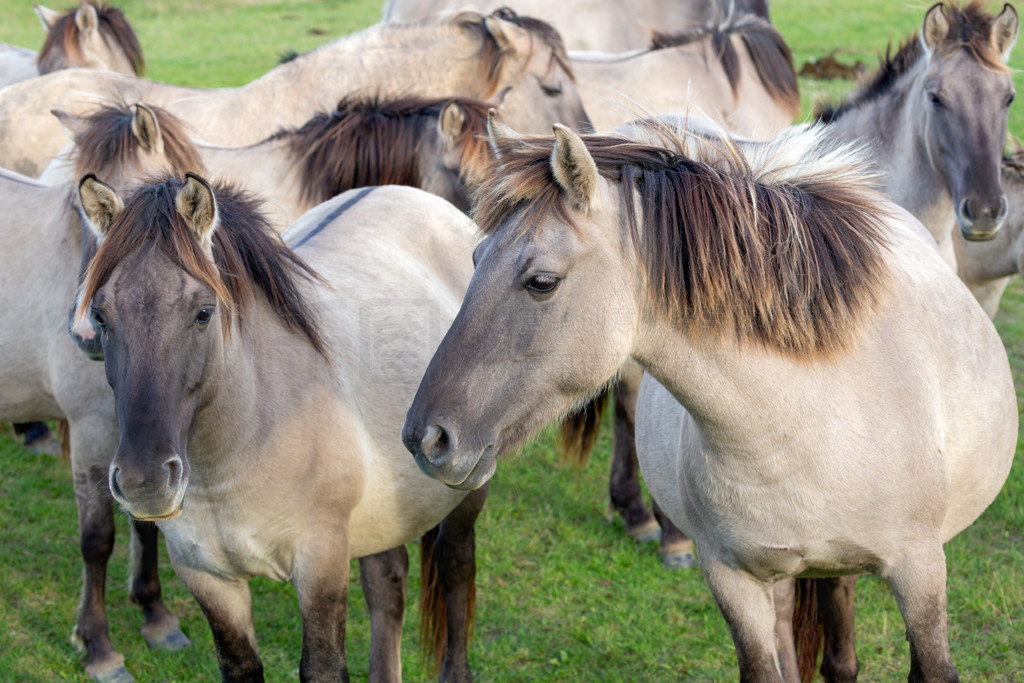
point(173, 514)
point(481, 473)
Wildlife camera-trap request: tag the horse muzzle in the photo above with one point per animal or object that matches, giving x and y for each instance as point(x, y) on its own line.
point(981, 225)
point(150, 496)
point(436, 451)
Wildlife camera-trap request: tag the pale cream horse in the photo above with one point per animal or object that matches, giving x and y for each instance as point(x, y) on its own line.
point(739, 74)
point(94, 36)
point(835, 421)
point(466, 54)
point(604, 25)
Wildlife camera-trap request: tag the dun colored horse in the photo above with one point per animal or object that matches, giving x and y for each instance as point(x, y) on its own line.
point(259, 398)
point(828, 418)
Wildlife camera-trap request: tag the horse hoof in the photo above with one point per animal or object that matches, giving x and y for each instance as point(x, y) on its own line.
point(681, 560)
point(111, 671)
point(166, 636)
point(646, 532)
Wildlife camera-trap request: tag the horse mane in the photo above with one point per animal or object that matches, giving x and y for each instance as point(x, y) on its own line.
point(61, 47)
point(970, 28)
point(492, 56)
point(769, 52)
point(248, 256)
point(1013, 160)
point(108, 140)
point(781, 245)
point(374, 140)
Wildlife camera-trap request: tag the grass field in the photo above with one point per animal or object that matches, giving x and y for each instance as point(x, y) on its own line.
point(563, 595)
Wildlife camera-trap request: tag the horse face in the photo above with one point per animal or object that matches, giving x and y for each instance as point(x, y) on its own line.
point(158, 331)
point(966, 105)
point(547, 321)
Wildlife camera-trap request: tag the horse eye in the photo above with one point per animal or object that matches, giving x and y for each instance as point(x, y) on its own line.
point(98, 320)
point(934, 98)
point(1011, 98)
point(203, 316)
point(543, 283)
point(551, 90)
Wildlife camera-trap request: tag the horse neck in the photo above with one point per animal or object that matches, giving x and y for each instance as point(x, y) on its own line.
point(266, 168)
point(382, 53)
point(891, 125)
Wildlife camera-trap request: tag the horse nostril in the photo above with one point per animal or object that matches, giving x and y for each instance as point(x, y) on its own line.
point(437, 444)
point(115, 483)
point(965, 211)
point(174, 473)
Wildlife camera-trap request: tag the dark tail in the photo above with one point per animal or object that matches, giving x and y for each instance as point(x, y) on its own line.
point(807, 628)
point(433, 610)
point(580, 430)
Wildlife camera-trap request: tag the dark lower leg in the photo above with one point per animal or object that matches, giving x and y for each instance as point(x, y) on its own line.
point(383, 577)
point(161, 628)
point(624, 482)
point(836, 600)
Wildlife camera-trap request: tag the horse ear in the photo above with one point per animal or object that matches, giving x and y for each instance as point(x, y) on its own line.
point(146, 128)
point(74, 126)
point(451, 123)
point(100, 204)
point(86, 18)
point(512, 39)
point(573, 167)
point(47, 16)
point(935, 29)
point(1004, 31)
point(501, 136)
point(197, 206)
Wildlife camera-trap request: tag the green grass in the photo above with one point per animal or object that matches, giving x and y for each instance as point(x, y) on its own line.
point(563, 595)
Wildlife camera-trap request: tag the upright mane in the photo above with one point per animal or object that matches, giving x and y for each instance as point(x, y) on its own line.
point(493, 57)
point(107, 141)
point(781, 245)
point(62, 49)
point(765, 45)
point(248, 256)
point(377, 141)
point(970, 29)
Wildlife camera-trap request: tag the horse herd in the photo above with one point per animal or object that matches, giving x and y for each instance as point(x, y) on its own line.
point(287, 297)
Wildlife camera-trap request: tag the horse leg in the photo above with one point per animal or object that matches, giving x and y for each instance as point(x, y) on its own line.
point(321, 580)
point(839, 663)
point(449, 589)
point(37, 437)
point(161, 629)
point(383, 576)
point(675, 550)
point(228, 609)
point(96, 540)
point(624, 482)
point(785, 605)
point(919, 584)
point(748, 606)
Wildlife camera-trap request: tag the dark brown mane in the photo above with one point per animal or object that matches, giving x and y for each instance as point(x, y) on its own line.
point(1013, 160)
point(493, 59)
point(61, 48)
point(765, 45)
point(248, 256)
point(378, 141)
point(797, 279)
point(970, 29)
point(108, 142)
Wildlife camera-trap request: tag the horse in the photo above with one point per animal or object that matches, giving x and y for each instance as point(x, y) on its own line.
point(739, 73)
point(604, 26)
point(92, 35)
point(45, 377)
point(467, 54)
point(434, 143)
point(252, 349)
point(986, 267)
point(800, 322)
point(935, 117)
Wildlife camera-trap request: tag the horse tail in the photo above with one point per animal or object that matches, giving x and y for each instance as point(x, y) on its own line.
point(64, 438)
point(433, 611)
point(807, 628)
point(772, 59)
point(580, 429)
